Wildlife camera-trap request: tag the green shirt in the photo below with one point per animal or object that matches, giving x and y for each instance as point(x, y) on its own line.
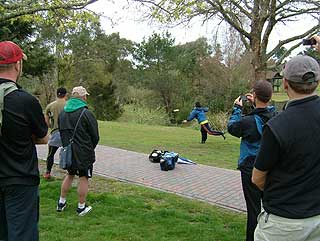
point(53, 110)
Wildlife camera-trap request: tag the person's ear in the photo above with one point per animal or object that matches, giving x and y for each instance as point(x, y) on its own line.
point(17, 66)
point(285, 84)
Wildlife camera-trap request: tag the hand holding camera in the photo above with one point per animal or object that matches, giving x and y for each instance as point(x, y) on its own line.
point(314, 41)
point(310, 41)
point(244, 98)
point(317, 45)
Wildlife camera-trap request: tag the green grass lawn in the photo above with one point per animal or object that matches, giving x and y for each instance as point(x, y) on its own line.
point(282, 96)
point(186, 141)
point(127, 212)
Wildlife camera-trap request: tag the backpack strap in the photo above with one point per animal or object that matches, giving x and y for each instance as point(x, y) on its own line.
point(5, 89)
point(259, 123)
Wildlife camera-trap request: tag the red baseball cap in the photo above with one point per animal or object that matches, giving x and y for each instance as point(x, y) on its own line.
point(10, 53)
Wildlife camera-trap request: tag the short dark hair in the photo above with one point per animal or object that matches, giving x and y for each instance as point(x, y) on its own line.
point(263, 90)
point(303, 88)
point(197, 104)
point(61, 92)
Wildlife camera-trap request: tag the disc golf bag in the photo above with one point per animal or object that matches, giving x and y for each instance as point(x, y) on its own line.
point(168, 161)
point(155, 156)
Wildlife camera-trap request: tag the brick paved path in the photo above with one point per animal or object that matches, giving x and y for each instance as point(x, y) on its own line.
point(214, 185)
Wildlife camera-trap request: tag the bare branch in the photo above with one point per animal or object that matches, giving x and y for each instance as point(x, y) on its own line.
point(154, 4)
point(247, 5)
point(311, 31)
point(241, 9)
point(216, 5)
point(298, 13)
point(287, 53)
point(272, 22)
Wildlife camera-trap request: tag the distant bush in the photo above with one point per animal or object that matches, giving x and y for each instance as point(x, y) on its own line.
point(140, 114)
point(103, 100)
point(219, 121)
point(143, 115)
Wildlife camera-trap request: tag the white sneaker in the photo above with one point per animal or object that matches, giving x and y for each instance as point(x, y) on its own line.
point(84, 211)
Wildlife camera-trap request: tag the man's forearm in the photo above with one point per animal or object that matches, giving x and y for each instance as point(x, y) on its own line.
point(259, 178)
point(43, 140)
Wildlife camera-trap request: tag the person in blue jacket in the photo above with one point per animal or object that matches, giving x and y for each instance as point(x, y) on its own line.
point(199, 113)
point(249, 129)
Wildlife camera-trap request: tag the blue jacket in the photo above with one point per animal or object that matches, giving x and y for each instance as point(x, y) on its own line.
point(249, 128)
point(199, 114)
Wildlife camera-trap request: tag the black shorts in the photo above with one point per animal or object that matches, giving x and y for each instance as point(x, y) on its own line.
point(81, 173)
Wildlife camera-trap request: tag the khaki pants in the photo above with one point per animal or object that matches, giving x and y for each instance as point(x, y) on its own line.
point(274, 228)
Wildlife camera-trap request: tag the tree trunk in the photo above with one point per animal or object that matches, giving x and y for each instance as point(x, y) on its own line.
point(258, 61)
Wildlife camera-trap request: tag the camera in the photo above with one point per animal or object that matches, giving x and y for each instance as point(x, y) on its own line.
point(243, 98)
point(310, 41)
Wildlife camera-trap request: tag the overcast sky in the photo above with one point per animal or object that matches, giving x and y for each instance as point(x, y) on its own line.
point(128, 22)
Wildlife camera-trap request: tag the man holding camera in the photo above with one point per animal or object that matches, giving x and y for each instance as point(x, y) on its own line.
point(287, 167)
point(249, 129)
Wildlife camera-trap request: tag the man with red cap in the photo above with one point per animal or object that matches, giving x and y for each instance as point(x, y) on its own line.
point(22, 125)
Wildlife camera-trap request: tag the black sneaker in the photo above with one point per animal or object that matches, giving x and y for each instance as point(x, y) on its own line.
point(84, 211)
point(61, 206)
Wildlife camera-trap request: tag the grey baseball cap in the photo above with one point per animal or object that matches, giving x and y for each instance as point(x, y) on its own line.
point(302, 69)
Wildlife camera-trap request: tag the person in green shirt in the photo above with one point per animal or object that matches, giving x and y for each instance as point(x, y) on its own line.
point(51, 116)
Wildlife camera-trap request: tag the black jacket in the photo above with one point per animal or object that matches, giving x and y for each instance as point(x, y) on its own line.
point(22, 119)
point(85, 139)
point(292, 188)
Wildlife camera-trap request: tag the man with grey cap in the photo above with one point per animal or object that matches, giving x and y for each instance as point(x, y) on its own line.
point(287, 167)
point(78, 123)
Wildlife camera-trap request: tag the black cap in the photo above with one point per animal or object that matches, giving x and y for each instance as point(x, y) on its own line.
point(61, 92)
point(197, 104)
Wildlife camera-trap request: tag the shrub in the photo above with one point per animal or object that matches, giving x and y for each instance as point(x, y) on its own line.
point(143, 115)
point(219, 121)
point(103, 100)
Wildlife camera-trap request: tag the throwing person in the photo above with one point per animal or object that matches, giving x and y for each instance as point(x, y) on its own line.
point(199, 113)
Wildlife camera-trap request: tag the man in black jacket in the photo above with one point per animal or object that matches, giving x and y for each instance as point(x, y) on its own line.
point(22, 125)
point(86, 138)
point(287, 167)
point(249, 128)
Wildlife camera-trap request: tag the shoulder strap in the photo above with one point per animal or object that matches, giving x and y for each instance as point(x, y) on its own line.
point(5, 89)
point(75, 128)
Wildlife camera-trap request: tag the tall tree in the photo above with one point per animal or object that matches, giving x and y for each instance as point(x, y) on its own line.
point(103, 98)
point(255, 21)
point(156, 58)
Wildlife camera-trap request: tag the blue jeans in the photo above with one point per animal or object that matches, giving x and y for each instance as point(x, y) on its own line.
point(19, 213)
